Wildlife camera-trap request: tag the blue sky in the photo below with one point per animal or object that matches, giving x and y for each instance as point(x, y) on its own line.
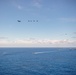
point(56, 26)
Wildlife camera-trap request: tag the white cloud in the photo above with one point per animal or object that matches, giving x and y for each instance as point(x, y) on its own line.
point(17, 4)
point(37, 42)
point(19, 7)
point(37, 3)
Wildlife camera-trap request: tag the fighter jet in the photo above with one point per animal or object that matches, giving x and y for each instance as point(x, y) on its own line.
point(18, 20)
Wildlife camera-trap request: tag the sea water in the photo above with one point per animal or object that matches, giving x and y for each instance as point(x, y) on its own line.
point(37, 61)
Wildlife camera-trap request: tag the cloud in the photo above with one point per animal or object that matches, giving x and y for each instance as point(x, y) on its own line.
point(68, 19)
point(37, 3)
point(17, 4)
point(19, 7)
point(37, 43)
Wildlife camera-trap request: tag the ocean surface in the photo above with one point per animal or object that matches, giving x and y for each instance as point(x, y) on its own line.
point(37, 61)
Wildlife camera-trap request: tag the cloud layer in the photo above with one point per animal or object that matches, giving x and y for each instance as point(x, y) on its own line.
point(37, 43)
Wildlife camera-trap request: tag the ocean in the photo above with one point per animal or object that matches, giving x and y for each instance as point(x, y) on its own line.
point(37, 61)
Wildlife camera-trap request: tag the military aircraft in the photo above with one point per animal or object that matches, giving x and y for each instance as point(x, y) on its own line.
point(18, 20)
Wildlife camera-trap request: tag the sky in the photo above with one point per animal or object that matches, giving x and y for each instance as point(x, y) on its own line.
point(44, 23)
